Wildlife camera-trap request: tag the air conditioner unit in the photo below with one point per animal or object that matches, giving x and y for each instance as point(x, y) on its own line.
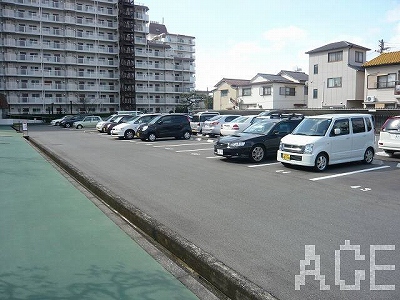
point(371, 99)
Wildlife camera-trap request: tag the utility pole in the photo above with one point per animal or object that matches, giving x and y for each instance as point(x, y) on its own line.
point(382, 47)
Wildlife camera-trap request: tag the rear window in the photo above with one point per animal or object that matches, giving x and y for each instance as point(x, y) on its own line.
point(215, 118)
point(392, 124)
point(205, 117)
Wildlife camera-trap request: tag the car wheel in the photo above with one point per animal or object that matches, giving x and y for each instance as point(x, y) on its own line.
point(186, 135)
point(143, 139)
point(129, 134)
point(152, 137)
point(257, 153)
point(368, 156)
point(79, 126)
point(321, 162)
point(67, 125)
point(57, 123)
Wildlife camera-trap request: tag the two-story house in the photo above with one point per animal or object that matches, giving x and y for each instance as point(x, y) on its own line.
point(382, 81)
point(226, 93)
point(287, 89)
point(336, 76)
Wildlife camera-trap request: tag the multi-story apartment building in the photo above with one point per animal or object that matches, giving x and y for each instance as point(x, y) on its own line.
point(164, 69)
point(336, 75)
point(93, 56)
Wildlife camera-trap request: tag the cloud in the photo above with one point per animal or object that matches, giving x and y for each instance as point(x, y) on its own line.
point(280, 37)
point(393, 15)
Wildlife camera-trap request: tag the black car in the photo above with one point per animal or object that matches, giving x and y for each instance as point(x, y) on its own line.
point(67, 123)
point(168, 125)
point(258, 140)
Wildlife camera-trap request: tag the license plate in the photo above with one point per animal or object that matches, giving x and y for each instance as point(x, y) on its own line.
point(397, 137)
point(285, 156)
point(220, 152)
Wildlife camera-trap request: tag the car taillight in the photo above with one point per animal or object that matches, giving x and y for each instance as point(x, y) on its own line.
point(235, 127)
point(215, 123)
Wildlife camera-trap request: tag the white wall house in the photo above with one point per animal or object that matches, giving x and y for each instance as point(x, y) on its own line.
point(336, 75)
point(285, 90)
point(382, 85)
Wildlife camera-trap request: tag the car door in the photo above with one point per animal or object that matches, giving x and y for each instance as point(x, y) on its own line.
point(164, 126)
point(276, 134)
point(340, 144)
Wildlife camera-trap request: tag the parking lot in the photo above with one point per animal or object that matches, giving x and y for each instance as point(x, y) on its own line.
point(256, 218)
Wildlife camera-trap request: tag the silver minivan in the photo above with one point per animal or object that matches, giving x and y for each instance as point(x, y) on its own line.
point(199, 118)
point(319, 141)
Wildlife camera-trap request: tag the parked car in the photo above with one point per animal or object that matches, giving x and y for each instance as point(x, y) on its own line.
point(198, 120)
point(319, 141)
point(128, 130)
point(237, 125)
point(267, 113)
point(389, 136)
point(87, 122)
point(212, 127)
point(117, 121)
point(56, 122)
point(168, 125)
point(67, 123)
point(99, 126)
point(257, 141)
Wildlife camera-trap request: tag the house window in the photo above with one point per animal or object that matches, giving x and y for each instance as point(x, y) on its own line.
point(265, 90)
point(334, 82)
point(316, 69)
point(387, 81)
point(287, 91)
point(224, 93)
point(246, 92)
point(359, 57)
point(315, 94)
point(335, 56)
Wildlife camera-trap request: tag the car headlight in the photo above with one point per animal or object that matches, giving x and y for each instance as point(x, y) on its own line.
point(144, 127)
point(308, 149)
point(236, 144)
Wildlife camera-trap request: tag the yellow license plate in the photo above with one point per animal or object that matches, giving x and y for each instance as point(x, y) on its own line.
point(285, 156)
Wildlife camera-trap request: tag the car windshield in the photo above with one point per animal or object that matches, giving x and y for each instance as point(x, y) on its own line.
point(260, 128)
point(215, 118)
point(312, 126)
point(392, 124)
point(119, 119)
point(155, 120)
point(134, 120)
point(241, 119)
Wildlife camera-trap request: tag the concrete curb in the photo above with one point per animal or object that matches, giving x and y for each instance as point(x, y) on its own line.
point(226, 280)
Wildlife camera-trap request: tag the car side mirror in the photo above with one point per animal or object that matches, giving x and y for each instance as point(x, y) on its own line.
point(336, 131)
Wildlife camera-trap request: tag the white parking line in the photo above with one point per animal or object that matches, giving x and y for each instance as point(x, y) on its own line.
point(193, 150)
point(262, 165)
point(348, 173)
point(178, 145)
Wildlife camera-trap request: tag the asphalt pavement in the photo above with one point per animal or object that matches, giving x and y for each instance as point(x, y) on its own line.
point(59, 242)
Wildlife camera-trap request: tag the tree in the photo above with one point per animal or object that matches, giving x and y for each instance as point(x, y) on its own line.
point(190, 101)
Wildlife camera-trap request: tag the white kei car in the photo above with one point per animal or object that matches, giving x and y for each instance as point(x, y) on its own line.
point(128, 130)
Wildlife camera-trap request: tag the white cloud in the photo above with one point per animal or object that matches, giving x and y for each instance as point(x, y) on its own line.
point(393, 15)
point(280, 37)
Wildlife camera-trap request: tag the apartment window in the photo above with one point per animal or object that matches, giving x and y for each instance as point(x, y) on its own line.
point(359, 57)
point(287, 91)
point(265, 90)
point(315, 69)
point(334, 82)
point(224, 93)
point(315, 94)
point(335, 56)
point(246, 92)
point(387, 81)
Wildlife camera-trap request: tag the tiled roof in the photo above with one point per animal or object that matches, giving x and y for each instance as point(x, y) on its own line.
point(234, 82)
point(389, 58)
point(299, 76)
point(336, 46)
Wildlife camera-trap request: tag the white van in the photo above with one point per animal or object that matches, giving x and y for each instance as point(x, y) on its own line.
point(319, 141)
point(198, 119)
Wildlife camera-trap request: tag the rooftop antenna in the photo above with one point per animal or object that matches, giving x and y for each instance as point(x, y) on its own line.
point(382, 47)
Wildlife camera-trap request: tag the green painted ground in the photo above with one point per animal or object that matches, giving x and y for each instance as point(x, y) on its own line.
point(56, 244)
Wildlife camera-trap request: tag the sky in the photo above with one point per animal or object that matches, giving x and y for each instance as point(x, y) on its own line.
point(239, 39)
